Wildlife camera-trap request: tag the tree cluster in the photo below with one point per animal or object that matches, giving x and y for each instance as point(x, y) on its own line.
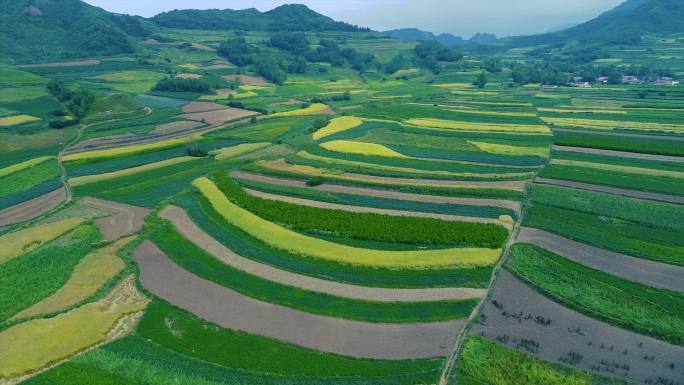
point(182, 85)
point(77, 102)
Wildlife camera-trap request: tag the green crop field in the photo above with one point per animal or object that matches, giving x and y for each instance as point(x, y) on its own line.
point(276, 197)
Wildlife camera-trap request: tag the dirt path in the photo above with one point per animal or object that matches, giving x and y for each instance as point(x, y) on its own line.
point(514, 317)
point(126, 220)
point(620, 154)
point(189, 230)
point(361, 209)
point(378, 193)
point(613, 190)
point(34, 208)
point(230, 309)
point(635, 269)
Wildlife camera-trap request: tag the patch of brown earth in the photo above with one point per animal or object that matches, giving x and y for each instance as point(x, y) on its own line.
point(247, 80)
point(230, 309)
point(80, 63)
point(202, 107)
point(33, 208)
point(613, 190)
point(176, 127)
point(219, 117)
point(520, 317)
point(184, 224)
point(127, 219)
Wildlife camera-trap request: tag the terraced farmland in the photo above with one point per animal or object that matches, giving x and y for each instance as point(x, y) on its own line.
point(230, 205)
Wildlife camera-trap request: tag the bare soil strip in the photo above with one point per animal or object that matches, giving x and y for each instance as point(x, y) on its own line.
point(33, 208)
point(247, 80)
point(620, 154)
point(230, 309)
point(613, 190)
point(93, 62)
point(650, 273)
point(520, 312)
point(617, 133)
point(218, 117)
point(379, 193)
point(202, 107)
point(513, 185)
point(126, 220)
point(189, 230)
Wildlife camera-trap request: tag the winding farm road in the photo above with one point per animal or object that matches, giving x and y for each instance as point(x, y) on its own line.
point(230, 309)
point(372, 210)
point(613, 190)
point(619, 154)
point(379, 193)
point(184, 224)
point(650, 273)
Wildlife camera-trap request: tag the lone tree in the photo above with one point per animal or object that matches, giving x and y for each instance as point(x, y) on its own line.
point(481, 81)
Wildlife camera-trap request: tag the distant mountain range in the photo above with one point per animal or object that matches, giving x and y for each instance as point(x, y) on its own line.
point(39, 30)
point(415, 34)
point(289, 17)
point(42, 30)
point(625, 23)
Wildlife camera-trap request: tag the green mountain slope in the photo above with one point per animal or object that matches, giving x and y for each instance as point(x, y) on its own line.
point(624, 24)
point(43, 30)
point(289, 17)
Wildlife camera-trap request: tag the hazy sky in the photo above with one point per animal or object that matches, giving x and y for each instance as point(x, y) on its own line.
point(461, 17)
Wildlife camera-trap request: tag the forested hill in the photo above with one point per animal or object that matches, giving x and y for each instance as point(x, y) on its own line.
point(626, 23)
point(35, 30)
point(289, 17)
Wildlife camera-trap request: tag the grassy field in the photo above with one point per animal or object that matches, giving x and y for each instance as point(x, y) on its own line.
point(30, 278)
point(122, 151)
point(364, 226)
point(488, 363)
point(284, 238)
point(26, 240)
point(87, 179)
point(630, 305)
point(239, 150)
point(91, 273)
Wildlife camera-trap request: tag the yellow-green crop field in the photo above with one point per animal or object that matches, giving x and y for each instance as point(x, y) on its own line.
point(24, 165)
point(91, 273)
point(361, 148)
point(505, 149)
point(17, 243)
point(121, 151)
point(289, 240)
point(82, 180)
point(16, 120)
point(408, 170)
point(314, 109)
point(473, 126)
point(239, 150)
point(338, 125)
point(35, 344)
